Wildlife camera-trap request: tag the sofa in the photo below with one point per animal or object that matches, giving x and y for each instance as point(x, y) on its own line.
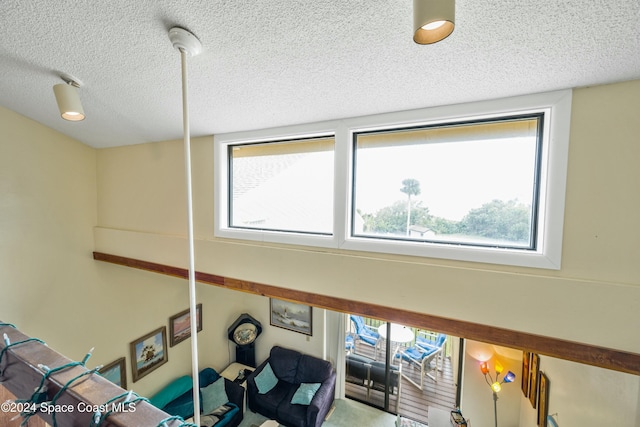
point(295, 389)
point(221, 400)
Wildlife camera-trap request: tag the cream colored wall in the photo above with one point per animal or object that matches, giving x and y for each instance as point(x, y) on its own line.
point(51, 287)
point(583, 395)
point(598, 285)
point(592, 299)
point(47, 213)
point(55, 291)
point(580, 395)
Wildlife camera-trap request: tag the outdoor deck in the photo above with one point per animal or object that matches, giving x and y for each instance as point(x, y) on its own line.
point(414, 403)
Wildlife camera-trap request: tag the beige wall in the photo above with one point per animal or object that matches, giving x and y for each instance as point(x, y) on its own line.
point(581, 395)
point(597, 287)
point(47, 211)
point(594, 298)
point(54, 290)
point(51, 288)
point(54, 190)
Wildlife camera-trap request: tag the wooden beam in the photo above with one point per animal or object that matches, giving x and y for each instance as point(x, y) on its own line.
point(21, 376)
point(617, 360)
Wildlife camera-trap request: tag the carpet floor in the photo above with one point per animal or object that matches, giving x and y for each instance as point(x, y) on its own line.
point(347, 413)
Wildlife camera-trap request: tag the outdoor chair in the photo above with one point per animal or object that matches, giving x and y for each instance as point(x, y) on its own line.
point(420, 359)
point(349, 343)
point(428, 341)
point(365, 334)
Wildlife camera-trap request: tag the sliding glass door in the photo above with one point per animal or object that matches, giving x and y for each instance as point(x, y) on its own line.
point(399, 369)
point(372, 375)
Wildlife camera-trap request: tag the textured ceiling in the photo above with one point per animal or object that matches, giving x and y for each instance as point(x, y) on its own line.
point(280, 62)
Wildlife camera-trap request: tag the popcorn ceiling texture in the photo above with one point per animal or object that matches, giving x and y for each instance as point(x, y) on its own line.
point(281, 62)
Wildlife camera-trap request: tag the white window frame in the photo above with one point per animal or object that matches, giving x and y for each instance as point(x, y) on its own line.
point(556, 107)
point(221, 190)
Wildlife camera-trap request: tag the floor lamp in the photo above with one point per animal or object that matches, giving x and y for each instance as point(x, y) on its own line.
point(496, 385)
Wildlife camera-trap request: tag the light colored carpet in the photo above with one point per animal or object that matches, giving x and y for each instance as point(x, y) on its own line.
point(348, 413)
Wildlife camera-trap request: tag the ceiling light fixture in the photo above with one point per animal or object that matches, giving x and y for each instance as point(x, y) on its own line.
point(433, 20)
point(68, 99)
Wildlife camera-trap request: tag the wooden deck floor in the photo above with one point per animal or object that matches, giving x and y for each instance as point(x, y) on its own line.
point(414, 403)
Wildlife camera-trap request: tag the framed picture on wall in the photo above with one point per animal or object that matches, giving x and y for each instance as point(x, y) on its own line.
point(533, 379)
point(115, 372)
point(148, 353)
point(290, 315)
point(526, 357)
point(543, 399)
point(180, 325)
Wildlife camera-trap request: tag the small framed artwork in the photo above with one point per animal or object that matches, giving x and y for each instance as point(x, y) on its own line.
point(543, 399)
point(115, 372)
point(533, 379)
point(292, 316)
point(180, 325)
point(148, 353)
point(526, 356)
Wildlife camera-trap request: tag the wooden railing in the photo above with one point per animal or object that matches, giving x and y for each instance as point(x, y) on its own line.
point(604, 357)
point(70, 395)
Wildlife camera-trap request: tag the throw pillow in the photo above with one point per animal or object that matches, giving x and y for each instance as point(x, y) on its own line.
point(304, 394)
point(266, 379)
point(213, 395)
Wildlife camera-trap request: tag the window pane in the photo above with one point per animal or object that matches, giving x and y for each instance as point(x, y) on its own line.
point(282, 186)
point(470, 184)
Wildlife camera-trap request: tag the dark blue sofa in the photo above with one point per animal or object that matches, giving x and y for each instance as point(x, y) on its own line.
point(292, 368)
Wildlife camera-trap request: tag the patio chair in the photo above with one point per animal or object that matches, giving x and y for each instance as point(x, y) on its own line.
point(349, 343)
point(419, 358)
point(429, 341)
point(365, 334)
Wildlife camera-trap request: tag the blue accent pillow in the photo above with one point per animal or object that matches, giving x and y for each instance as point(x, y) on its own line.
point(304, 394)
point(266, 379)
point(213, 396)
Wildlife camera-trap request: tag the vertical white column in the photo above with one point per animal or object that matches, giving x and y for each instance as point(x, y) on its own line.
point(192, 272)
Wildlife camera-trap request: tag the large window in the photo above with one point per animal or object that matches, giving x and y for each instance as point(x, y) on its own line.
point(473, 183)
point(282, 186)
point(482, 182)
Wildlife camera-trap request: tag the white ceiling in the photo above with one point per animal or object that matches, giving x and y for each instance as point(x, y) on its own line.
point(281, 62)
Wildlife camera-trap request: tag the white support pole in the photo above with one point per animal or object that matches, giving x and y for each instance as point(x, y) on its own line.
point(192, 272)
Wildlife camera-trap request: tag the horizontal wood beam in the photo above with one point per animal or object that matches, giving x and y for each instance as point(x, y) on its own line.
point(603, 357)
point(21, 376)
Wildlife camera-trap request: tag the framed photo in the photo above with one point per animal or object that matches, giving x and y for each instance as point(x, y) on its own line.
point(292, 316)
point(148, 353)
point(543, 399)
point(180, 325)
point(526, 357)
point(533, 379)
point(115, 372)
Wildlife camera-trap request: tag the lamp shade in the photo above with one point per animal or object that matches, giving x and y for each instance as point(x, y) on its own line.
point(68, 102)
point(433, 20)
point(484, 367)
point(509, 377)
